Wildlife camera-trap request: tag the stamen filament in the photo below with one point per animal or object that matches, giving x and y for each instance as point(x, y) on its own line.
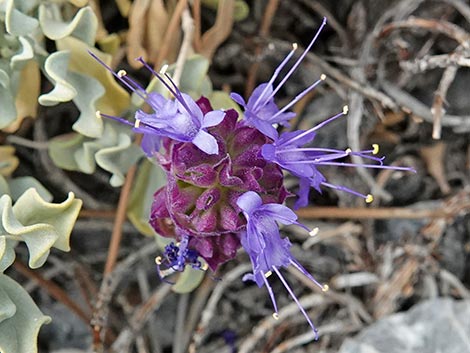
point(297, 98)
point(318, 126)
point(299, 60)
point(274, 76)
point(292, 294)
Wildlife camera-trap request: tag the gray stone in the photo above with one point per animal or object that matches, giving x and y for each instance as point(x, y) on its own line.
point(435, 326)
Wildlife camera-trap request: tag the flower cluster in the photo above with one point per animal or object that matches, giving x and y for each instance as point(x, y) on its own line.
point(225, 187)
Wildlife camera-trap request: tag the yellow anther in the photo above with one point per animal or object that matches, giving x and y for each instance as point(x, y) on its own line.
point(98, 114)
point(294, 46)
point(325, 288)
point(122, 73)
point(158, 260)
point(369, 198)
point(267, 274)
point(137, 123)
point(276, 316)
point(314, 231)
point(345, 110)
point(348, 150)
point(375, 148)
point(323, 77)
point(204, 267)
point(163, 69)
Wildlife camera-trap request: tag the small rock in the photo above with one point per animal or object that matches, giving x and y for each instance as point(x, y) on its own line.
point(434, 326)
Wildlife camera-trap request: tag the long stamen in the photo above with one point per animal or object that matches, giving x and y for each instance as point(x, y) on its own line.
point(174, 91)
point(318, 126)
point(129, 84)
point(368, 198)
point(299, 96)
point(271, 294)
point(275, 74)
point(291, 292)
point(307, 274)
point(299, 60)
point(115, 118)
point(375, 166)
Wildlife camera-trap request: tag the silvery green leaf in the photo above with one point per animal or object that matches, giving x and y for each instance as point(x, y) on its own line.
point(40, 224)
point(188, 281)
point(20, 318)
point(114, 161)
point(4, 188)
point(17, 22)
point(89, 90)
point(56, 66)
point(83, 26)
point(116, 99)
point(24, 55)
point(150, 178)
point(113, 151)
point(19, 185)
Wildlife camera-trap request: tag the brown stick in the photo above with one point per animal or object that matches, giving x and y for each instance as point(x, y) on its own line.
point(53, 290)
point(116, 235)
point(378, 213)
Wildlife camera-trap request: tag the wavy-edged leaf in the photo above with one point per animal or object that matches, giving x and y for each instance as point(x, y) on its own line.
point(56, 67)
point(150, 178)
point(83, 26)
point(89, 90)
point(116, 99)
point(114, 161)
point(26, 53)
point(40, 224)
point(62, 147)
point(18, 187)
point(188, 281)
point(20, 318)
point(113, 151)
point(17, 22)
point(31, 210)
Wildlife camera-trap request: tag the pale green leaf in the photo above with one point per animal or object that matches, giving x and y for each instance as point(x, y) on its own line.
point(32, 210)
point(26, 53)
point(61, 148)
point(83, 26)
point(41, 225)
point(89, 90)
point(19, 185)
point(150, 178)
point(113, 151)
point(20, 318)
point(116, 99)
point(16, 22)
point(114, 161)
point(189, 280)
point(56, 67)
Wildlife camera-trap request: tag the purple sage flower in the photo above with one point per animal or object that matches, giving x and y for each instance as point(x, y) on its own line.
point(225, 183)
point(267, 250)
